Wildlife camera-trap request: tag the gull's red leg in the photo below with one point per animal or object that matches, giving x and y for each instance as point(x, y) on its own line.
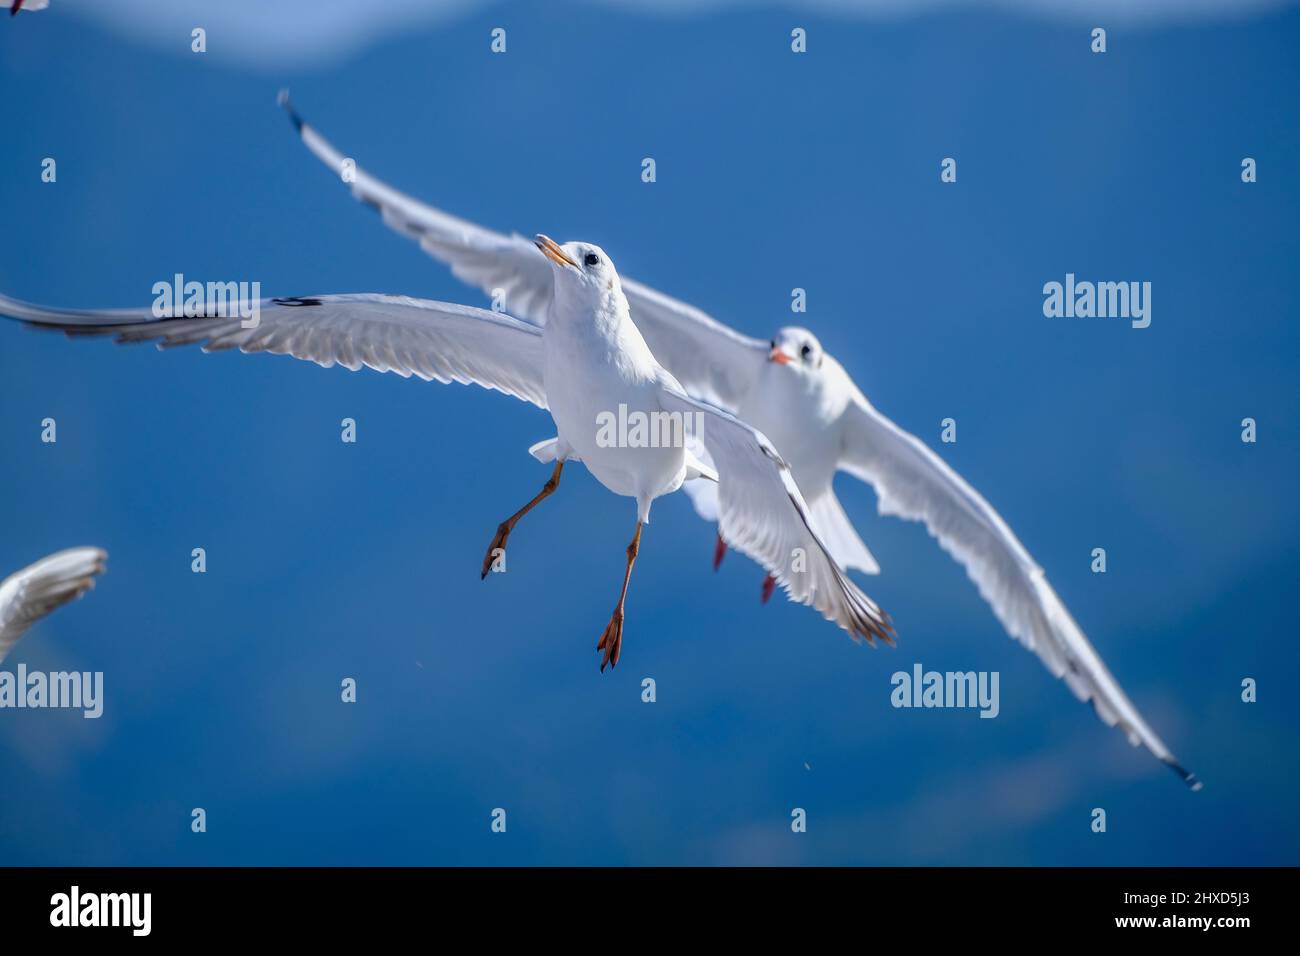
point(504, 529)
point(719, 552)
point(769, 585)
point(611, 642)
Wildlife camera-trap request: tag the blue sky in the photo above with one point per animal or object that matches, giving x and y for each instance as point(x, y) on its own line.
point(821, 171)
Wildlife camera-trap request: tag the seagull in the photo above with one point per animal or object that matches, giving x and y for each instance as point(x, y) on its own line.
point(810, 409)
point(28, 595)
point(589, 359)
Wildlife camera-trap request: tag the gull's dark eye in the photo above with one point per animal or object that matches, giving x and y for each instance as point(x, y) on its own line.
point(806, 352)
point(592, 259)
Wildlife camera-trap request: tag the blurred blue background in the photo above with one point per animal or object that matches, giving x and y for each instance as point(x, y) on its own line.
point(328, 560)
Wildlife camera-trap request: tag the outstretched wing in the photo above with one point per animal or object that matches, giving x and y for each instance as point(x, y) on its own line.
point(762, 513)
point(710, 359)
point(28, 595)
point(388, 333)
point(912, 482)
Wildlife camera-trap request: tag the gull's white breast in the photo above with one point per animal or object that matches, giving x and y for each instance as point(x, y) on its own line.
point(800, 415)
point(593, 367)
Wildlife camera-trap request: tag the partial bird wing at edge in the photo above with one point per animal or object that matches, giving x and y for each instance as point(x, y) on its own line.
point(28, 595)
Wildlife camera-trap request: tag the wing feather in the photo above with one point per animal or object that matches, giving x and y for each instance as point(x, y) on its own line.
point(432, 340)
point(762, 513)
point(38, 589)
point(912, 482)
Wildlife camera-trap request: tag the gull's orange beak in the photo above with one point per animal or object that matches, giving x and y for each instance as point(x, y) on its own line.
point(551, 249)
point(777, 356)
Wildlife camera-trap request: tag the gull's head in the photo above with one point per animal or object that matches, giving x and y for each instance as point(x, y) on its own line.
point(797, 348)
point(580, 267)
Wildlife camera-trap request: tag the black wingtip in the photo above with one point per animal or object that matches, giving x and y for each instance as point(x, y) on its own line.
point(1193, 782)
point(283, 99)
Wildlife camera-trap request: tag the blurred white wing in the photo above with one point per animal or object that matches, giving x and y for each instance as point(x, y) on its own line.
point(36, 590)
point(708, 358)
point(388, 333)
point(912, 482)
point(762, 514)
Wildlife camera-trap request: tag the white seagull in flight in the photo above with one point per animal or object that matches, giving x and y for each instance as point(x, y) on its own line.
point(588, 360)
point(28, 595)
point(804, 401)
